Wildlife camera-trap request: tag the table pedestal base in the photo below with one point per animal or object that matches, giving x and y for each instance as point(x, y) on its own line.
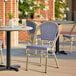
point(61, 52)
point(57, 48)
point(14, 67)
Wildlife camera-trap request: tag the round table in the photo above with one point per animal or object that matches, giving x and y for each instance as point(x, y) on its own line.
point(8, 30)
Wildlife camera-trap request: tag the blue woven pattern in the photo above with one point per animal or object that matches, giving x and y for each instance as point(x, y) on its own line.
point(48, 31)
point(38, 36)
point(33, 25)
point(1, 42)
point(70, 36)
point(38, 47)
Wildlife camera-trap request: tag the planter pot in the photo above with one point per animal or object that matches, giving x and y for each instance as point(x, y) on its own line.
point(24, 22)
point(11, 23)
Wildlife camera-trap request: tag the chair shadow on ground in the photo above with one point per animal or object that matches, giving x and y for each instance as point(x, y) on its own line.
point(34, 64)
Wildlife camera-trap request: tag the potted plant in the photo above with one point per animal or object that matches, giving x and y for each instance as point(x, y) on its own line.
point(11, 22)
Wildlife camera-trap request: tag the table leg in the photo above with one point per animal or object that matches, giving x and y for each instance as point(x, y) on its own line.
point(57, 48)
point(8, 56)
point(8, 63)
point(8, 50)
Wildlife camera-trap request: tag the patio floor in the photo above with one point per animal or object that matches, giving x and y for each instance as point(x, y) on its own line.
point(67, 64)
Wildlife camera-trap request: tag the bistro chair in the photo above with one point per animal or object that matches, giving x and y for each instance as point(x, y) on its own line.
point(69, 36)
point(1, 55)
point(31, 32)
point(49, 34)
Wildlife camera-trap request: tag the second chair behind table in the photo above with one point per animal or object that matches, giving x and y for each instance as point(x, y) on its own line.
point(1, 43)
point(1, 54)
point(49, 34)
point(31, 32)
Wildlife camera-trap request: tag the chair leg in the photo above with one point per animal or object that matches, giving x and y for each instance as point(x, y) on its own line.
point(46, 59)
point(71, 43)
point(40, 58)
point(1, 54)
point(63, 43)
point(27, 64)
point(26, 51)
point(27, 60)
point(56, 60)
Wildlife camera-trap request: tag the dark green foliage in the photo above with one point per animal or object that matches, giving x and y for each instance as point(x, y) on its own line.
point(29, 7)
point(59, 4)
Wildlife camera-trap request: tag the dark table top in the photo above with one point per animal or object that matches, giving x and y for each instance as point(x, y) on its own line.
point(62, 22)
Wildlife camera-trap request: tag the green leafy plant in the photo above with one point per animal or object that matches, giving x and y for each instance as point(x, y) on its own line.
point(29, 6)
point(59, 4)
point(11, 15)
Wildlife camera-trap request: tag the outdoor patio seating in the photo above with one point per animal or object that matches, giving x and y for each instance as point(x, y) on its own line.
point(1, 54)
point(49, 34)
point(69, 36)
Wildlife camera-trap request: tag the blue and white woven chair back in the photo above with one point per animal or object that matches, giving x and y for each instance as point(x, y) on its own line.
point(33, 25)
point(48, 31)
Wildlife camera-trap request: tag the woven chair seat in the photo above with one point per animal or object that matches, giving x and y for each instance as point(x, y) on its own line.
point(70, 36)
point(39, 47)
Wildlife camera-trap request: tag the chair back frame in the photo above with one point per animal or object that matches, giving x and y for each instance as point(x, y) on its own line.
point(72, 29)
point(49, 41)
point(31, 24)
